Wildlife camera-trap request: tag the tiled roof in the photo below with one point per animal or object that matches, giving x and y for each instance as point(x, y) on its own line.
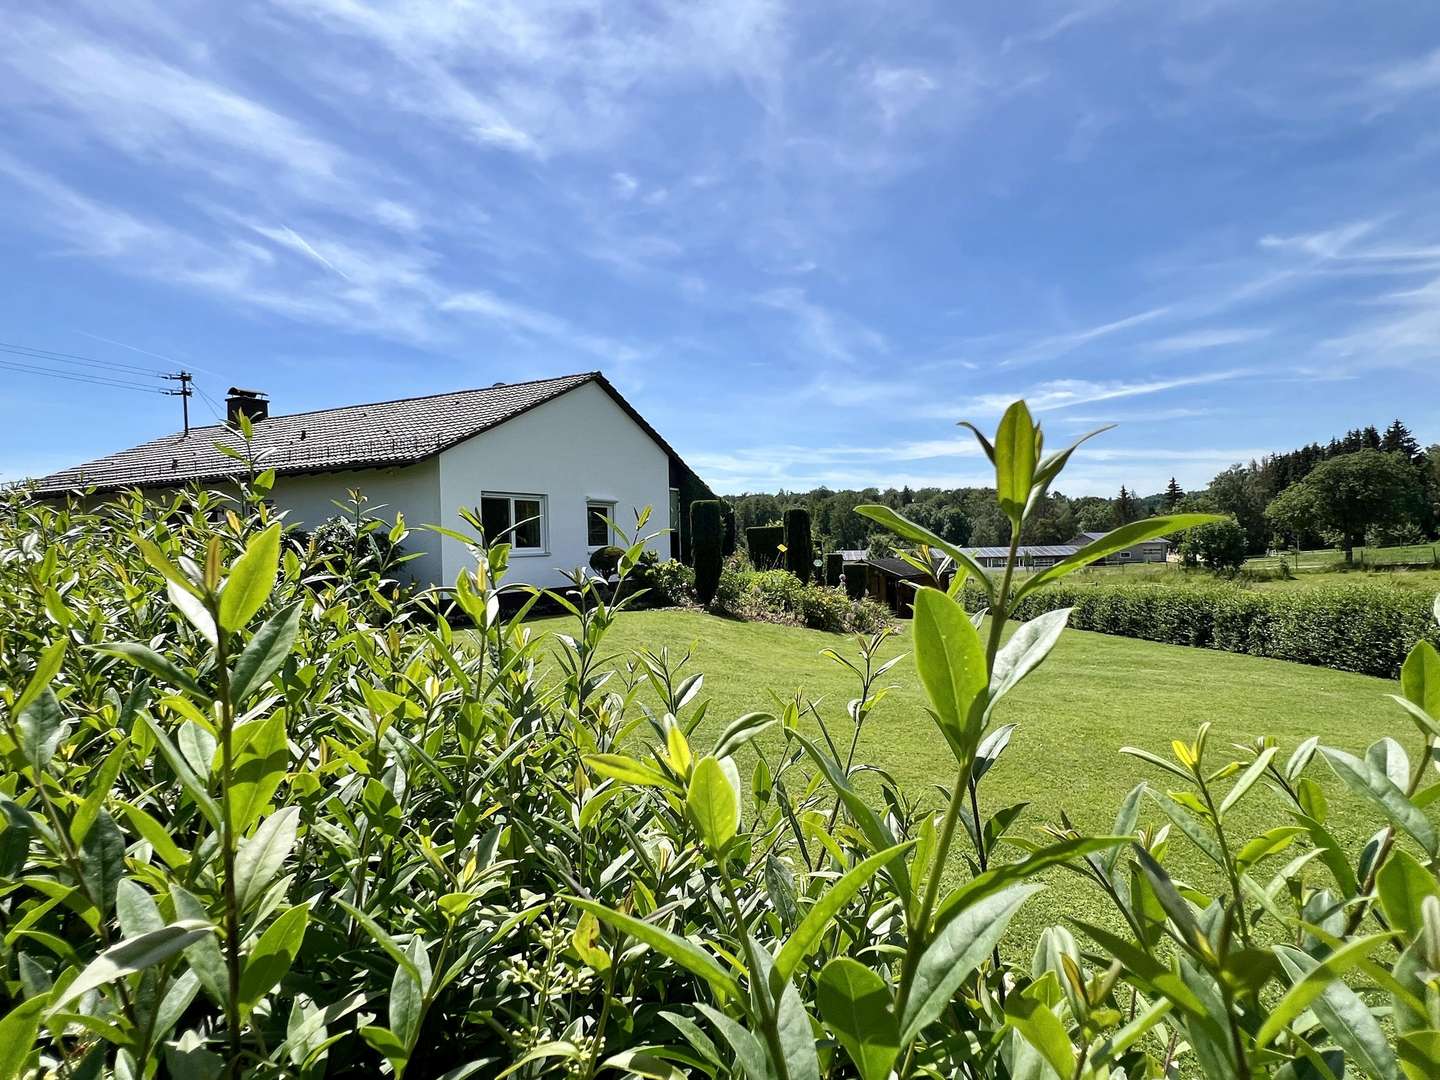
point(384, 433)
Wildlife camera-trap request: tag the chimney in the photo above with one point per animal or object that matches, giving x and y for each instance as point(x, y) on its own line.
point(252, 403)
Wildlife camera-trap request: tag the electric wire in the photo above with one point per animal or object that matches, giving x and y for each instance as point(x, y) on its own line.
point(74, 376)
point(32, 353)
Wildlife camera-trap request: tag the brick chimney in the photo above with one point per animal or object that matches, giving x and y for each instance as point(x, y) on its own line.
point(252, 403)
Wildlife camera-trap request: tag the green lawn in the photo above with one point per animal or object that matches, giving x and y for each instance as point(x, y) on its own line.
point(1327, 574)
point(1095, 694)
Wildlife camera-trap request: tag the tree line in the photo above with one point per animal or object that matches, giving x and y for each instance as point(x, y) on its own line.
point(1365, 487)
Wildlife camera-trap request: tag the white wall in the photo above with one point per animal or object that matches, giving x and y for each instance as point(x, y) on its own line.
point(412, 490)
point(573, 448)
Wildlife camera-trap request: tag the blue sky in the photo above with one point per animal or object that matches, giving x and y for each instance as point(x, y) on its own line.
point(802, 239)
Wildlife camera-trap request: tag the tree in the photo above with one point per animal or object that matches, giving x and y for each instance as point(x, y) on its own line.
point(1398, 440)
point(1356, 491)
point(1236, 491)
point(1173, 494)
point(1097, 515)
point(1127, 507)
point(1219, 545)
point(1294, 515)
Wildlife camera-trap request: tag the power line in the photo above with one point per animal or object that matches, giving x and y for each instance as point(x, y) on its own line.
point(74, 358)
point(72, 376)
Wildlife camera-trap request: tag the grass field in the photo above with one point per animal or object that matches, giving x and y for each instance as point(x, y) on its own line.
point(1094, 695)
point(1413, 555)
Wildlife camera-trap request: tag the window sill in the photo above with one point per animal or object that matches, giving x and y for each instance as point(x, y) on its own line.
point(528, 553)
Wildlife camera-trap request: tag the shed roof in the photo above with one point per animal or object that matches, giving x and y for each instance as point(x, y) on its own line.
point(398, 432)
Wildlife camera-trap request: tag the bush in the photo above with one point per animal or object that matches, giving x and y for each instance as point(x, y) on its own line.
point(1220, 545)
point(1363, 628)
point(727, 512)
point(762, 544)
point(667, 582)
point(799, 549)
point(243, 831)
point(707, 537)
point(605, 561)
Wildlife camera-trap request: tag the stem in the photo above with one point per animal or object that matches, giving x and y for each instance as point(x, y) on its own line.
point(767, 1018)
point(1236, 898)
point(1357, 914)
point(227, 850)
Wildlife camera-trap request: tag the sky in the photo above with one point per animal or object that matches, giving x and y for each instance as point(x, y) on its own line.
point(804, 240)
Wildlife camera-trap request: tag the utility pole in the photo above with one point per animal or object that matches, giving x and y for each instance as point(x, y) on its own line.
point(184, 378)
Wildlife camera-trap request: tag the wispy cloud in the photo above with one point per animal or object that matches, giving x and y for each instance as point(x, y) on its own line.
point(824, 332)
point(1059, 394)
point(1213, 338)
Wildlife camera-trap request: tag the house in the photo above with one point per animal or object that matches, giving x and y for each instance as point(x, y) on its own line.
point(1157, 550)
point(1034, 557)
point(551, 458)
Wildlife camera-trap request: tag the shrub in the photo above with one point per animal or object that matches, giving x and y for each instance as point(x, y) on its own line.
point(245, 832)
point(727, 512)
point(799, 549)
point(706, 540)
point(605, 561)
point(762, 544)
point(1220, 545)
point(667, 582)
point(834, 568)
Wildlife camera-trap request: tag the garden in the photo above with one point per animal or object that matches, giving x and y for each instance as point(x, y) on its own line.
point(266, 814)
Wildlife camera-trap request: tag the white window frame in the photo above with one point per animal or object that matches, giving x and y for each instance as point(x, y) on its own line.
point(544, 548)
point(608, 506)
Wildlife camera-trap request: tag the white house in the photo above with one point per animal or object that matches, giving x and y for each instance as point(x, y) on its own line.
point(553, 457)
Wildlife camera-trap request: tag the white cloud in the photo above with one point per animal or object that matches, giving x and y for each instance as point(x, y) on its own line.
point(1053, 346)
point(823, 332)
point(1410, 76)
point(1058, 394)
point(899, 90)
point(1214, 338)
point(524, 320)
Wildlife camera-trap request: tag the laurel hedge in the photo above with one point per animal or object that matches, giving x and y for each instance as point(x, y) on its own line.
point(1362, 628)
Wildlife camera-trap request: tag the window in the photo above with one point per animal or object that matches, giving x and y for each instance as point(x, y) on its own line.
point(524, 514)
point(598, 516)
point(1124, 554)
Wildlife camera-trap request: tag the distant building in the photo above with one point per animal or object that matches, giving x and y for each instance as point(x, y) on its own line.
point(1157, 550)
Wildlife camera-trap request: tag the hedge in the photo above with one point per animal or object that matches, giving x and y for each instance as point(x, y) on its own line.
point(707, 537)
point(1363, 628)
point(763, 543)
point(799, 548)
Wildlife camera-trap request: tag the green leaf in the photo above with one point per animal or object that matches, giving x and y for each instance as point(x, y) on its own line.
point(272, 955)
point(193, 785)
point(266, 652)
point(147, 659)
point(681, 950)
point(627, 770)
point(183, 600)
point(741, 731)
point(262, 856)
point(1366, 779)
point(807, 935)
point(749, 1053)
point(1001, 877)
point(17, 1036)
point(132, 955)
point(99, 792)
point(643, 1064)
point(46, 668)
point(1014, 460)
point(1117, 540)
point(102, 861)
point(1247, 779)
point(1314, 983)
point(856, 1004)
point(407, 995)
point(1346, 1017)
point(1028, 1014)
point(250, 581)
point(1025, 651)
point(1403, 883)
point(42, 726)
point(958, 949)
point(1420, 677)
point(712, 804)
point(903, 527)
point(951, 663)
point(260, 766)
